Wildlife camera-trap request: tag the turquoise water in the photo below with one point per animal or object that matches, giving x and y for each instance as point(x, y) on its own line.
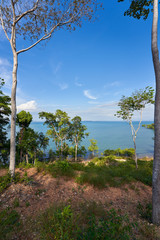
point(112, 135)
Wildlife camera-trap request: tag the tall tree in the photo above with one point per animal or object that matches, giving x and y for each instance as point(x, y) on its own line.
point(138, 9)
point(37, 20)
point(59, 126)
point(77, 133)
point(23, 120)
point(4, 120)
point(128, 105)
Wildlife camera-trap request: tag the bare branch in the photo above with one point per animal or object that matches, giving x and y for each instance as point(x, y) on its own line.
point(26, 12)
point(4, 26)
point(46, 36)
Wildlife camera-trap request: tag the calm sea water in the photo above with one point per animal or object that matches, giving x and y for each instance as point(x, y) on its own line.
point(112, 135)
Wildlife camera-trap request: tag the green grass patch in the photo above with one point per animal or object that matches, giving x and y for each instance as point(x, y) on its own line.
point(92, 222)
point(9, 223)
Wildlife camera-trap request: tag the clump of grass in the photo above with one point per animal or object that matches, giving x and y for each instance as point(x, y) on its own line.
point(4, 182)
point(9, 223)
point(59, 168)
point(16, 203)
point(25, 165)
point(145, 211)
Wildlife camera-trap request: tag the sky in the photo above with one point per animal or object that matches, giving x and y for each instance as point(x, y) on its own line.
point(84, 72)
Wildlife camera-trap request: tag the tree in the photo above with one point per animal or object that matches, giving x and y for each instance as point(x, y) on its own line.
point(93, 146)
point(4, 120)
point(37, 20)
point(23, 120)
point(128, 105)
point(77, 133)
point(137, 10)
point(59, 125)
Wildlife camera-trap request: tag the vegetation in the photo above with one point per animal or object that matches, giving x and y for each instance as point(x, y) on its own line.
point(137, 102)
point(101, 172)
point(9, 223)
point(128, 152)
point(4, 121)
point(93, 147)
point(149, 126)
point(92, 222)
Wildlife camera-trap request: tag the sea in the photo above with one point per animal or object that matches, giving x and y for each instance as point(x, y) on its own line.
point(112, 135)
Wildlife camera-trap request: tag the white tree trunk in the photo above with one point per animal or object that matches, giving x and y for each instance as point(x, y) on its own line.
point(156, 162)
point(76, 149)
point(13, 115)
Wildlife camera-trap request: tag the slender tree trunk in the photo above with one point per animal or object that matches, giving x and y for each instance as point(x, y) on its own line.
point(27, 158)
point(156, 162)
point(76, 149)
point(13, 115)
point(135, 152)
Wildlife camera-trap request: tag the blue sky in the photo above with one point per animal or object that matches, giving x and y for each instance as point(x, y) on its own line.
point(84, 72)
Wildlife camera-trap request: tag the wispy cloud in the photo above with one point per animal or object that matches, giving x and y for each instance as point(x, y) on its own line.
point(57, 68)
point(28, 106)
point(77, 83)
point(88, 95)
point(63, 86)
point(115, 84)
point(112, 84)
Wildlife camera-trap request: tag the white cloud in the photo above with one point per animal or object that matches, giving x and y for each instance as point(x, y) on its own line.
point(63, 86)
point(88, 95)
point(28, 106)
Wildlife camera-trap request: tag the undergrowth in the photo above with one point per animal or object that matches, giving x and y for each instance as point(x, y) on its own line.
point(101, 172)
point(9, 224)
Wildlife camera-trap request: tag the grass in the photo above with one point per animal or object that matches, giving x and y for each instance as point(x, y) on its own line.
point(6, 180)
point(101, 172)
point(9, 224)
point(89, 221)
point(93, 222)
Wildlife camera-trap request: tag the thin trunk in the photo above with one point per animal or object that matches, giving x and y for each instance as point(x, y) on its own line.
point(135, 153)
point(13, 116)
point(76, 149)
point(156, 162)
point(27, 158)
point(134, 141)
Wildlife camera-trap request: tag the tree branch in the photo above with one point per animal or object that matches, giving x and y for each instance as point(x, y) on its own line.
point(4, 26)
point(26, 12)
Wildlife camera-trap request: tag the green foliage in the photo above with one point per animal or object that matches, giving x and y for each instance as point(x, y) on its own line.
point(139, 9)
point(59, 126)
point(4, 121)
point(4, 182)
point(92, 222)
point(24, 119)
point(9, 223)
point(128, 152)
point(61, 168)
point(16, 203)
point(145, 211)
point(93, 146)
point(138, 100)
point(149, 126)
point(114, 173)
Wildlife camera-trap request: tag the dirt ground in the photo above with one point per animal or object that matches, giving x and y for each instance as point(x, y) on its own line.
point(44, 190)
